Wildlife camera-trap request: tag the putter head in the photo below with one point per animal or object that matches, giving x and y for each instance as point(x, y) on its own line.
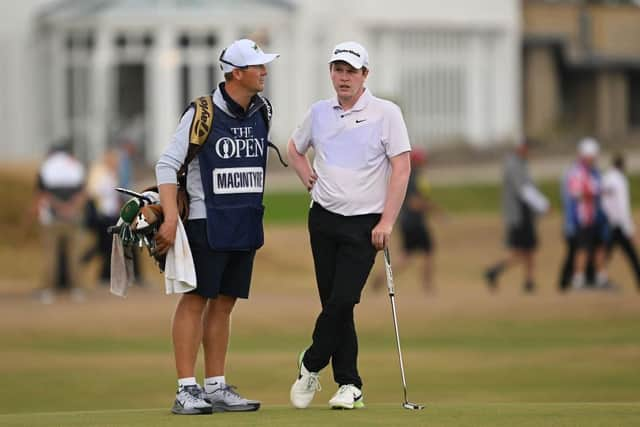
point(412, 406)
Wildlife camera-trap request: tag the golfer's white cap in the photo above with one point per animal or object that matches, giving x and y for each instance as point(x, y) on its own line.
point(242, 53)
point(352, 53)
point(588, 147)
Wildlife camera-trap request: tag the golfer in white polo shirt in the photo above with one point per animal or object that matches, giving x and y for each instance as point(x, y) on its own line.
point(358, 183)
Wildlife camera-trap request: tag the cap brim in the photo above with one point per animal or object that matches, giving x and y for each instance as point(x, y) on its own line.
point(349, 59)
point(265, 58)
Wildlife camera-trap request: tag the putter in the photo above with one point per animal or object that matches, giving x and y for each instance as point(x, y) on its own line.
point(387, 264)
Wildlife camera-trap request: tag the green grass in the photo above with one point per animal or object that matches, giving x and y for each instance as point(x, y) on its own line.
point(291, 207)
point(508, 415)
point(471, 371)
point(491, 336)
point(474, 359)
point(286, 207)
point(469, 198)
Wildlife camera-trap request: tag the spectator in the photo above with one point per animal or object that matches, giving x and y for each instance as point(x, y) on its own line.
point(103, 179)
point(414, 228)
point(584, 191)
point(615, 202)
point(59, 204)
point(522, 201)
point(569, 232)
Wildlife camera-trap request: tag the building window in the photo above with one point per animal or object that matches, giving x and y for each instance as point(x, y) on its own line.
point(199, 71)
point(184, 85)
point(132, 44)
point(436, 82)
point(79, 41)
point(121, 41)
point(203, 40)
point(131, 90)
point(147, 40)
point(434, 102)
point(79, 48)
point(77, 91)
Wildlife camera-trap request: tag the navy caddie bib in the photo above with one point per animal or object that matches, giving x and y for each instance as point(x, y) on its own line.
point(232, 168)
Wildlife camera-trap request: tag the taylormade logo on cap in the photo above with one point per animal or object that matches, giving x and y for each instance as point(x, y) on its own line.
point(243, 53)
point(352, 53)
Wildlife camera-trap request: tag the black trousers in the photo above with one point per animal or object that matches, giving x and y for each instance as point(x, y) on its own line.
point(618, 238)
point(343, 257)
point(566, 270)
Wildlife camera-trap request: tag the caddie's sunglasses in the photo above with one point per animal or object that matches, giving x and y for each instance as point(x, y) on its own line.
point(224, 61)
point(337, 51)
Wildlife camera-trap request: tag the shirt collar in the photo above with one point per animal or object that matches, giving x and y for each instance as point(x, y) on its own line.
point(360, 104)
point(235, 108)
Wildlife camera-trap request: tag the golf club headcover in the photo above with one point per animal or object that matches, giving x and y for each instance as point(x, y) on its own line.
point(148, 220)
point(129, 210)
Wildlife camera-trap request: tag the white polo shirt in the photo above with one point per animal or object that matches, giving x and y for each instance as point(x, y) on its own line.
point(352, 152)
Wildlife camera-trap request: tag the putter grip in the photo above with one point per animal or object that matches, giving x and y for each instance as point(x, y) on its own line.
point(389, 272)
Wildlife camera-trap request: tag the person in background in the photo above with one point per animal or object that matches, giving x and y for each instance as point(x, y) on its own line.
point(569, 230)
point(584, 192)
point(101, 184)
point(414, 229)
point(59, 205)
point(128, 153)
point(617, 207)
point(521, 202)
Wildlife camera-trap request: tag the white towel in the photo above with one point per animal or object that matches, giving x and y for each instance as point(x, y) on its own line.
point(179, 271)
point(121, 266)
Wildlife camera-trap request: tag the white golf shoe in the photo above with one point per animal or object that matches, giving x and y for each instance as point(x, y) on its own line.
point(347, 397)
point(305, 387)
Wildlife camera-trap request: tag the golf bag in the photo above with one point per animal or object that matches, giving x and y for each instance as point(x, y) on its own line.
point(139, 220)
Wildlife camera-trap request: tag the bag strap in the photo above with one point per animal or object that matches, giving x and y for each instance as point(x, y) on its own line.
point(267, 114)
point(199, 131)
point(267, 111)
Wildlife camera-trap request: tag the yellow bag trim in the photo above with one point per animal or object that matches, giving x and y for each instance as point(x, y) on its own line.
point(202, 120)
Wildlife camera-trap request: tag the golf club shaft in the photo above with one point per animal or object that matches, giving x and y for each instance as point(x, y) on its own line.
point(390, 285)
point(134, 194)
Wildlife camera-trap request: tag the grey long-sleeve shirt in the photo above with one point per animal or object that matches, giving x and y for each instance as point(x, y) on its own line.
point(171, 160)
point(519, 190)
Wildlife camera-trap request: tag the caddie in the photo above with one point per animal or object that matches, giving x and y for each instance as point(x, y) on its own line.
point(225, 183)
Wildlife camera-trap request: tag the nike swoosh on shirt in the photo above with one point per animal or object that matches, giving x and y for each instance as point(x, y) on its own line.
point(360, 121)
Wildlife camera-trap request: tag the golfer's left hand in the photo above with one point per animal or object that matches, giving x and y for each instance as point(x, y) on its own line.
point(380, 235)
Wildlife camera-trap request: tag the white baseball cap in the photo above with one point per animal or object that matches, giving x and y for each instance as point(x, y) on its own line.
point(243, 53)
point(588, 147)
point(352, 53)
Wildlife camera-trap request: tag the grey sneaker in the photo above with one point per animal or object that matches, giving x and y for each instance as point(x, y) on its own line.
point(189, 401)
point(227, 399)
